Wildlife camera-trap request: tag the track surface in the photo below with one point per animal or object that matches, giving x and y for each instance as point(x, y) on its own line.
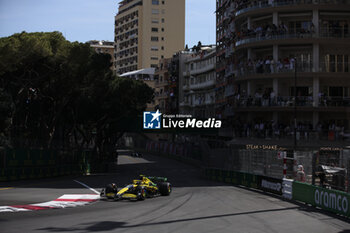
point(195, 205)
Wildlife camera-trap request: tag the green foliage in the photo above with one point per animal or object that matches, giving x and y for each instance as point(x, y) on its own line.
point(58, 91)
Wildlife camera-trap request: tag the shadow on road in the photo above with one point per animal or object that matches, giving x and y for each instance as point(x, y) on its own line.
point(108, 225)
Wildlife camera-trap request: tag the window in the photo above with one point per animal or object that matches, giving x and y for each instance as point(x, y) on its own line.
point(163, 2)
point(154, 58)
point(162, 29)
point(163, 20)
point(155, 11)
point(154, 66)
point(162, 38)
point(155, 2)
point(154, 48)
point(155, 21)
point(154, 38)
point(162, 46)
point(162, 56)
point(154, 29)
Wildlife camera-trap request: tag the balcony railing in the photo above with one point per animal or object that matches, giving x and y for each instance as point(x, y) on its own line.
point(252, 68)
point(202, 69)
point(334, 32)
point(254, 5)
point(335, 67)
point(202, 85)
point(288, 101)
point(257, 38)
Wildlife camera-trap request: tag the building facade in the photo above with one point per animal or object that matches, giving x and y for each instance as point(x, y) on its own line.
point(147, 31)
point(199, 83)
point(163, 89)
point(278, 58)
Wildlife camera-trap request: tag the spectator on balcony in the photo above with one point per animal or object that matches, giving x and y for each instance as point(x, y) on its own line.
point(267, 65)
point(292, 63)
point(272, 66)
point(286, 63)
point(279, 65)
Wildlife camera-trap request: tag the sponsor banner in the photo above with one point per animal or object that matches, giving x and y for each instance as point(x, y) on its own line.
point(269, 184)
point(331, 200)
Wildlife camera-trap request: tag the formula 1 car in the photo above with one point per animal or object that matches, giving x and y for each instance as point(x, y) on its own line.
point(145, 187)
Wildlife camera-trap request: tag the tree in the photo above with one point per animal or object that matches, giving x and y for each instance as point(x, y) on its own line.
point(61, 93)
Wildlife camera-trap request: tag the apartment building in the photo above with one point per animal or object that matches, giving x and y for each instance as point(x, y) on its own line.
point(163, 88)
point(199, 83)
point(279, 58)
point(147, 31)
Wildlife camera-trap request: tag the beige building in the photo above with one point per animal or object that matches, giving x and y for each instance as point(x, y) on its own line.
point(147, 31)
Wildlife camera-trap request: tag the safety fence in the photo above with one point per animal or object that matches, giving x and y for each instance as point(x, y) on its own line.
point(184, 152)
point(19, 164)
point(327, 199)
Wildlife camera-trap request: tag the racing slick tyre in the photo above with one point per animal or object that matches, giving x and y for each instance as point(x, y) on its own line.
point(141, 194)
point(165, 188)
point(103, 193)
point(110, 191)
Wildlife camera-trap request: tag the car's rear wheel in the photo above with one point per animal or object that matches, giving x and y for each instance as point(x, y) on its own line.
point(165, 188)
point(141, 194)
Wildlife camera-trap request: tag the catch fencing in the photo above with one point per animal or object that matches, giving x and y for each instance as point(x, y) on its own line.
point(19, 164)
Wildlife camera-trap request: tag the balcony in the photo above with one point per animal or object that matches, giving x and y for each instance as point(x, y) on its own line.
point(186, 87)
point(255, 5)
point(253, 69)
point(334, 32)
point(186, 73)
point(203, 85)
point(258, 38)
point(202, 69)
point(184, 104)
point(282, 67)
point(163, 95)
point(200, 102)
point(288, 102)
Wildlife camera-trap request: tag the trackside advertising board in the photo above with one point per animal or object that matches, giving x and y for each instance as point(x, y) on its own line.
point(269, 184)
point(331, 200)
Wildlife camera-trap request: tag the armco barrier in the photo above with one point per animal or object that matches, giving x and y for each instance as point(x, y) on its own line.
point(331, 200)
point(267, 184)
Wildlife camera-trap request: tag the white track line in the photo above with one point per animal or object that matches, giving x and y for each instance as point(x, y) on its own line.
point(93, 190)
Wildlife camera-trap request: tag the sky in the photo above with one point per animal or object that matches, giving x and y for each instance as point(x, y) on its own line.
point(84, 20)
